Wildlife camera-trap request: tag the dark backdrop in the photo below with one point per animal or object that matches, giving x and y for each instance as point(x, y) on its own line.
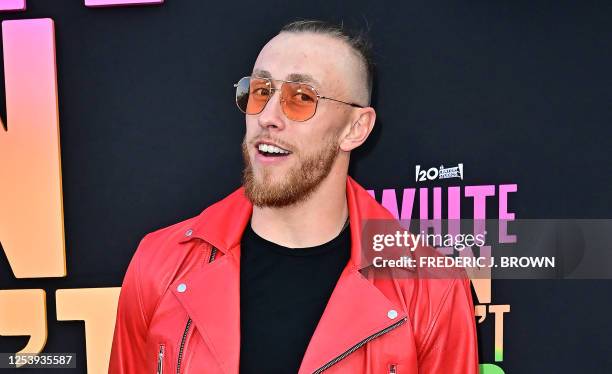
point(517, 91)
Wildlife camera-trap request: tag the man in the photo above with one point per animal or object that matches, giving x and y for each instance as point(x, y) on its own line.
point(268, 279)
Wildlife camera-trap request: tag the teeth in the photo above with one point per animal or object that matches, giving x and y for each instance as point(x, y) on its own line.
point(271, 149)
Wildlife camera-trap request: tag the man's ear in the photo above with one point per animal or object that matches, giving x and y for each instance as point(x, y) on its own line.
point(358, 132)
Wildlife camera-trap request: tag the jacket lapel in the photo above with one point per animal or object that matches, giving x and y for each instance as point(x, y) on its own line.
point(356, 311)
point(212, 295)
point(212, 300)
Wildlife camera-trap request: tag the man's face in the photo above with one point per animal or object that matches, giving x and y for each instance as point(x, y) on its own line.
point(310, 148)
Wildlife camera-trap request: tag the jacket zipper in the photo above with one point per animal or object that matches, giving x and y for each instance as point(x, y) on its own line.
point(213, 253)
point(358, 345)
point(393, 369)
point(160, 360)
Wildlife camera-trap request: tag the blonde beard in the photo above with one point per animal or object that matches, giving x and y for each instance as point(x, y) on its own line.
point(299, 183)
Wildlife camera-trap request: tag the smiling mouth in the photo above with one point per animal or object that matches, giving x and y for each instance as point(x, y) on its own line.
point(271, 150)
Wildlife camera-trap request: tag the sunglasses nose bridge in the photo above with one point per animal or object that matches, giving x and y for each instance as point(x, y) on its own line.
point(272, 112)
point(273, 91)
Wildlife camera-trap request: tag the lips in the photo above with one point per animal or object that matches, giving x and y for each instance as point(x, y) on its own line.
point(270, 149)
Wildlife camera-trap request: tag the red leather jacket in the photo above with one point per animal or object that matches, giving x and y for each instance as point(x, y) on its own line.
point(179, 306)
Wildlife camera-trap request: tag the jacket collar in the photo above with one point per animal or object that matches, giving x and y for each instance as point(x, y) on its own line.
point(356, 311)
point(223, 223)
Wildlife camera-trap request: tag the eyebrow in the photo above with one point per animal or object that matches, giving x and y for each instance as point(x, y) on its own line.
point(262, 73)
point(303, 78)
point(294, 77)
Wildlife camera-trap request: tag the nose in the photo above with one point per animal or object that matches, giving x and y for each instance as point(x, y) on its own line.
point(271, 117)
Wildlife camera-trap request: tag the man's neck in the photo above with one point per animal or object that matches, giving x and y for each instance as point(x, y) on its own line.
point(315, 221)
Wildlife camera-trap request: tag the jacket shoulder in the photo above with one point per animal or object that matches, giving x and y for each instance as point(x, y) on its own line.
point(157, 246)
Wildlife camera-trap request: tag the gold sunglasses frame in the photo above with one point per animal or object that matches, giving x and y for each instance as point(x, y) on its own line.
point(273, 89)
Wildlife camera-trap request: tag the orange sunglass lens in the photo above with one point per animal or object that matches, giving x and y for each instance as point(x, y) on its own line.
point(299, 101)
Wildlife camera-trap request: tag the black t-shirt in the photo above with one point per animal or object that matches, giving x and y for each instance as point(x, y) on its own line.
point(283, 292)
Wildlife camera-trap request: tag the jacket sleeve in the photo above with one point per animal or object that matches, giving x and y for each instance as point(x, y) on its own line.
point(450, 346)
point(128, 348)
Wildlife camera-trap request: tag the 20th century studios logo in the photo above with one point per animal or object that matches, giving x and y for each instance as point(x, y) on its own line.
point(438, 173)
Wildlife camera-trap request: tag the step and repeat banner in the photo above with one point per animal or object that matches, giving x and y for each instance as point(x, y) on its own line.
point(119, 118)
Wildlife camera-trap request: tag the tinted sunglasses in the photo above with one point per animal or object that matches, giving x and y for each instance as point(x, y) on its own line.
point(298, 100)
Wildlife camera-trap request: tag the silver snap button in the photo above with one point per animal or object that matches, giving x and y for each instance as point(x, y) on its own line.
point(392, 314)
point(181, 287)
point(188, 232)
